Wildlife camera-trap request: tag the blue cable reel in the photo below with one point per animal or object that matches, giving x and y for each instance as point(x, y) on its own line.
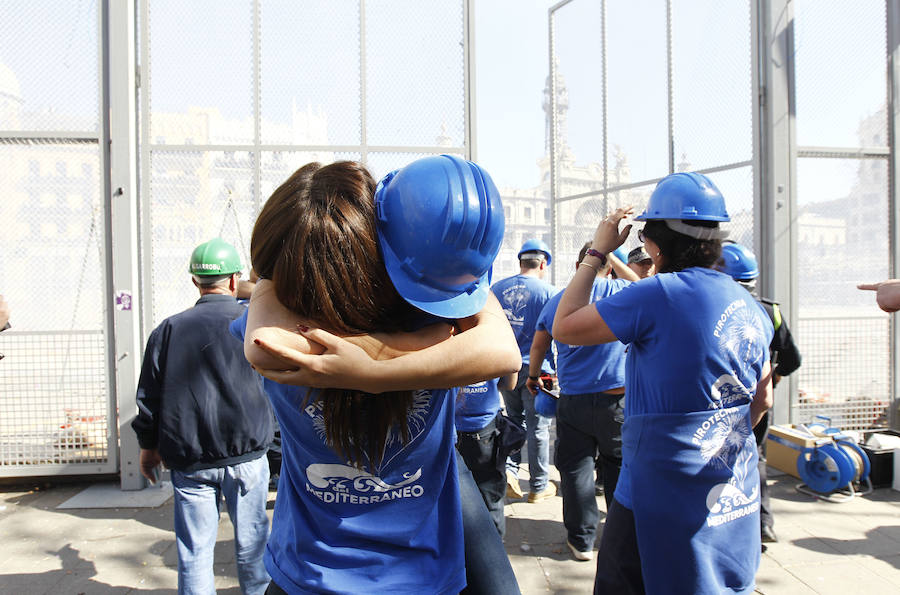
point(832, 466)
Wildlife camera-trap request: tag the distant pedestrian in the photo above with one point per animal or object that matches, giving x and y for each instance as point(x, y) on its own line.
point(589, 417)
point(639, 262)
point(740, 264)
point(202, 411)
point(479, 425)
point(523, 297)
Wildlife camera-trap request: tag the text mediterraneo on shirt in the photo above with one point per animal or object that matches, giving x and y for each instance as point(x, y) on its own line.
point(335, 483)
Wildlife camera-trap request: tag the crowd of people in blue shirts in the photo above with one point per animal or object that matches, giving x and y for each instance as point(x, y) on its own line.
point(406, 386)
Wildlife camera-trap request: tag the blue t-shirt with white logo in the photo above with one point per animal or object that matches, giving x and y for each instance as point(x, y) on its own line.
point(523, 297)
point(476, 405)
point(697, 341)
point(340, 529)
point(585, 369)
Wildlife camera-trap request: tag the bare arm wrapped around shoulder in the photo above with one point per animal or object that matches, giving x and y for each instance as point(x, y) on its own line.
point(282, 348)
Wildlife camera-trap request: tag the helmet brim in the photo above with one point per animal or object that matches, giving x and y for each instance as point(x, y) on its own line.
point(443, 303)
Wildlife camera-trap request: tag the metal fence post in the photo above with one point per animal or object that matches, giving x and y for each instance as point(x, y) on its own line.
point(774, 113)
point(893, 114)
point(120, 193)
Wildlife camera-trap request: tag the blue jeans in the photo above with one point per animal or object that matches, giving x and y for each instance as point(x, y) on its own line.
point(479, 451)
point(588, 429)
point(488, 570)
point(520, 409)
point(198, 499)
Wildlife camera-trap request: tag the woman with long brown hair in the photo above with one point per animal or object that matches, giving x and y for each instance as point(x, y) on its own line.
point(368, 495)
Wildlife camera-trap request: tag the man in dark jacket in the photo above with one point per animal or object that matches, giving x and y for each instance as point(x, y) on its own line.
point(203, 412)
point(740, 263)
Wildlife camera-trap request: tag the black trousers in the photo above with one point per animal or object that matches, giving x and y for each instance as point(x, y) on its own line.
point(618, 561)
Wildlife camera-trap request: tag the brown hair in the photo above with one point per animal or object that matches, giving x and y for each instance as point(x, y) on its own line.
point(607, 266)
point(315, 239)
point(680, 251)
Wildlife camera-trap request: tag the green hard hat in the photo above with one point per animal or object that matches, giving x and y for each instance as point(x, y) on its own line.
point(215, 257)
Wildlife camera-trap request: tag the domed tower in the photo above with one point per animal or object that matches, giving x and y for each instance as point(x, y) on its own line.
point(562, 108)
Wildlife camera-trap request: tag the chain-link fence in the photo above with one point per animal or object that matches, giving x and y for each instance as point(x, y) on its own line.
point(55, 401)
point(636, 94)
point(232, 104)
point(843, 215)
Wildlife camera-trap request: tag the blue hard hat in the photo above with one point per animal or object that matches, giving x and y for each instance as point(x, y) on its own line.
point(620, 254)
point(738, 262)
point(440, 225)
point(536, 245)
point(689, 196)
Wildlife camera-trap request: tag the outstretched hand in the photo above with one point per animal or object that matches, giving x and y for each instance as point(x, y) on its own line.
point(608, 237)
point(341, 365)
point(887, 293)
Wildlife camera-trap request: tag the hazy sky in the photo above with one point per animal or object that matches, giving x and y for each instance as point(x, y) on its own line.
point(204, 60)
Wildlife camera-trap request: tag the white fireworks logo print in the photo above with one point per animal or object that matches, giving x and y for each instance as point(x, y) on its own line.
point(416, 419)
point(515, 299)
point(724, 445)
point(728, 445)
point(743, 336)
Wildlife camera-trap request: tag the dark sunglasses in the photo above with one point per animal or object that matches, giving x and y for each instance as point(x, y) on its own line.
point(641, 235)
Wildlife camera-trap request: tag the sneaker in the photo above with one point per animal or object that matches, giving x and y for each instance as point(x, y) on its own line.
point(547, 492)
point(513, 489)
point(598, 489)
point(579, 555)
point(768, 534)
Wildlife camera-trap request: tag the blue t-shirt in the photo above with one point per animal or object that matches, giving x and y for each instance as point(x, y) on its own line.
point(588, 368)
point(340, 529)
point(523, 297)
point(697, 341)
point(476, 405)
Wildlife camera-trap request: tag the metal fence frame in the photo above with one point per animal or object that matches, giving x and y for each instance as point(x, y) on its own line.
point(257, 148)
point(109, 461)
point(774, 159)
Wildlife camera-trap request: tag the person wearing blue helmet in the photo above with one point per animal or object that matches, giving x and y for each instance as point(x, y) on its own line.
point(369, 494)
point(685, 515)
point(739, 263)
point(523, 297)
point(588, 417)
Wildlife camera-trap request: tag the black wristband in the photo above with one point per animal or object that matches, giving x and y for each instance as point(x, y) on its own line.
point(533, 377)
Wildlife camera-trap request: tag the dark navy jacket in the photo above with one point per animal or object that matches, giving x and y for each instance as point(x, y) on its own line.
point(199, 402)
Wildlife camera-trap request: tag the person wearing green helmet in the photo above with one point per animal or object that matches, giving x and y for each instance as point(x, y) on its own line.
point(202, 412)
point(215, 258)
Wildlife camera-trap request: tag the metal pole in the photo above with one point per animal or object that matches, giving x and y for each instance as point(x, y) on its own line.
point(893, 114)
point(363, 138)
point(670, 97)
point(554, 192)
point(120, 194)
point(257, 153)
point(469, 79)
point(777, 200)
point(604, 109)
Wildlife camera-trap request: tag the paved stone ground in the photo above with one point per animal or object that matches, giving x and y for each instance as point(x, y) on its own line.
point(824, 548)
